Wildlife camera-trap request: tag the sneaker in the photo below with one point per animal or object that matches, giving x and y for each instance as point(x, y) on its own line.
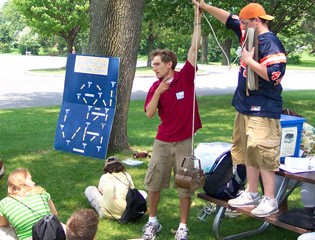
point(266, 207)
point(244, 200)
point(181, 234)
point(150, 229)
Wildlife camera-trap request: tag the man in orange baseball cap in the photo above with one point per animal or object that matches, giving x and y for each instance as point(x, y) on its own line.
point(257, 131)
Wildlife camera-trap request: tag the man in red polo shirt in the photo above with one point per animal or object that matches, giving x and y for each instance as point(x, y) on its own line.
point(172, 96)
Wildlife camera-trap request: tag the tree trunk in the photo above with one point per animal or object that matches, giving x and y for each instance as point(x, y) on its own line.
point(70, 42)
point(115, 31)
point(227, 49)
point(150, 42)
point(204, 49)
point(70, 38)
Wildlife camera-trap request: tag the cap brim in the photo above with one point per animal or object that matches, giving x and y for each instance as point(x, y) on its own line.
point(267, 17)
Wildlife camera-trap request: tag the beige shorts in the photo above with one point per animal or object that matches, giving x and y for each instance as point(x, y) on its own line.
point(256, 142)
point(167, 157)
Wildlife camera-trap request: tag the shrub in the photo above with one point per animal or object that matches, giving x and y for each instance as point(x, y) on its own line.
point(5, 48)
point(294, 59)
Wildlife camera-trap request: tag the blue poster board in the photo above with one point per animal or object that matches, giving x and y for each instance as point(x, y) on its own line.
point(88, 107)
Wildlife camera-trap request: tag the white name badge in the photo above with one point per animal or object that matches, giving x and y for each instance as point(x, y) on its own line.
point(180, 95)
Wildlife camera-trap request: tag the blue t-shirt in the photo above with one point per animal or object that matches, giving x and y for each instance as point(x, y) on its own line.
point(267, 100)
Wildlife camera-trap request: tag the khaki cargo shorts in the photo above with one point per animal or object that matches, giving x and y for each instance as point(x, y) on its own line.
point(166, 158)
point(256, 142)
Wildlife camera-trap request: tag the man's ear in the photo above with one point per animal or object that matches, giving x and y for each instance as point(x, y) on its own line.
point(256, 20)
point(169, 64)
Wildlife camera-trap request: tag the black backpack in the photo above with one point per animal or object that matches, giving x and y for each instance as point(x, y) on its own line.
point(299, 218)
point(136, 206)
point(48, 228)
point(221, 182)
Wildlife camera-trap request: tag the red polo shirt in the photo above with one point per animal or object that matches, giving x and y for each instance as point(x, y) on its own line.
point(175, 107)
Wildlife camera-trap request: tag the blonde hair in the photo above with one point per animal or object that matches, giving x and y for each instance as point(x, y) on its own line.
point(17, 184)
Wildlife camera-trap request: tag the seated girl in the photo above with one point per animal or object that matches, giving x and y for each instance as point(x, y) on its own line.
point(109, 198)
point(16, 219)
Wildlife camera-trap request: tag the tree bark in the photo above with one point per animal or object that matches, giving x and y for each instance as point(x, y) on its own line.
point(204, 49)
point(115, 31)
point(227, 49)
point(150, 42)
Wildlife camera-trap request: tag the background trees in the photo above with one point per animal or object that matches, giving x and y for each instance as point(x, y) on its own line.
point(165, 23)
point(11, 23)
point(61, 18)
point(163, 18)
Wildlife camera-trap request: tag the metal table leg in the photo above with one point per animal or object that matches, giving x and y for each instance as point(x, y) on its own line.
point(217, 222)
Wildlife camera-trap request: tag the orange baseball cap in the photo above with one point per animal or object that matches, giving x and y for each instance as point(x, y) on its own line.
point(254, 10)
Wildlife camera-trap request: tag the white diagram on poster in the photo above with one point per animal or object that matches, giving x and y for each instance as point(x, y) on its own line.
point(88, 108)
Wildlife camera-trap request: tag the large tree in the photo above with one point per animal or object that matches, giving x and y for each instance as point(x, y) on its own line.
point(64, 18)
point(115, 28)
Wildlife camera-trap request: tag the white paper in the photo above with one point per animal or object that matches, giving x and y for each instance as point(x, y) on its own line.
point(91, 65)
point(298, 165)
point(209, 152)
point(288, 141)
point(132, 162)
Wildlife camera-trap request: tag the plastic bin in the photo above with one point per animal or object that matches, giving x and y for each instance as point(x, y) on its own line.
point(291, 136)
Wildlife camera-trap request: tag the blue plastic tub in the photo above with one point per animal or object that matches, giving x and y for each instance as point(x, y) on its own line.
point(291, 136)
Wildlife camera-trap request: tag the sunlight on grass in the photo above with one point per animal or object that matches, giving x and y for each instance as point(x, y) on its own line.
point(307, 63)
point(27, 141)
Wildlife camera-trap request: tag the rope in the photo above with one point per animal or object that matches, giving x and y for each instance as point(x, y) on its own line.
point(195, 67)
point(217, 41)
point(194, 95)
point(224, 53)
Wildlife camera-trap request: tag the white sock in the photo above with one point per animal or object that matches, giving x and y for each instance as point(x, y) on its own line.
point(153, 219)
point(254, 194)
point(182, 226)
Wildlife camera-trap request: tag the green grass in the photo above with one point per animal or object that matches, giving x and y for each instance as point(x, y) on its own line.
point(27, 137)
point(307, 63)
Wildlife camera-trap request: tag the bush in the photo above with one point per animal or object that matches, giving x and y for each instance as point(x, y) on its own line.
point(5, 48)
point(34, 50)
point(294, 59)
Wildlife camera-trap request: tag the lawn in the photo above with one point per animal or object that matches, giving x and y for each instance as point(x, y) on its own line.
point(27, 137)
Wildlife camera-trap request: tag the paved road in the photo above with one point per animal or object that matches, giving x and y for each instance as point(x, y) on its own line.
point(20, 88)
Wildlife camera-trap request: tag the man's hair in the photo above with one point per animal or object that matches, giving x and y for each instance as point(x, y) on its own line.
point(82, 225)
point(166, 56)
